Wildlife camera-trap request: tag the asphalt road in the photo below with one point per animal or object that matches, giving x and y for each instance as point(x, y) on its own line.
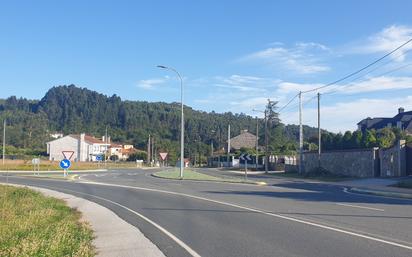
point(220, 219)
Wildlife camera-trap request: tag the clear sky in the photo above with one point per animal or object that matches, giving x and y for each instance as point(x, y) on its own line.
point(233, 55)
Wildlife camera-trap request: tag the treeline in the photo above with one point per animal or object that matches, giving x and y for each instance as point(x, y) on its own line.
point(70, 109)
point(382, 138)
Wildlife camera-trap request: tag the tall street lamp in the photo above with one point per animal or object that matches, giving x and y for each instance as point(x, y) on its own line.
point(266, 140)
point(182, 129)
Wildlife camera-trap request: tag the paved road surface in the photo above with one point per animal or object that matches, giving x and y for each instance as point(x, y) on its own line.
point(218, 219)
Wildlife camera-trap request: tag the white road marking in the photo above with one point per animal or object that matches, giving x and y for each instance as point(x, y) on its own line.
point(173, 237)
point(358, 206)
point(261, 212)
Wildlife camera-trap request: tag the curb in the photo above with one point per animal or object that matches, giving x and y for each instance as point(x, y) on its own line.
point(381, 193)
point(257, 183)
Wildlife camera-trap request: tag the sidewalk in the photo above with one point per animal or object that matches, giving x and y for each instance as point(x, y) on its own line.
point(114, 236)
point(378, 186)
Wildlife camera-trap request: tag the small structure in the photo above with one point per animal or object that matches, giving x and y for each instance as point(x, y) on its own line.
point(244, 140)
point(85, 147)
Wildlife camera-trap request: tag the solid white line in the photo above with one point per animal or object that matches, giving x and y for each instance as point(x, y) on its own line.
point(173, 237)
point(262, 212)
point(358, 206)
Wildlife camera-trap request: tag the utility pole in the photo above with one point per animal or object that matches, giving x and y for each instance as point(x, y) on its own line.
point(153, 150)
point(266, 143)
point(211, 152)
point(300, 135)
point(257, 142)
point(228, 146)
point(148, 151)
point(4, 140)
point(105, 152)
point(319, 132)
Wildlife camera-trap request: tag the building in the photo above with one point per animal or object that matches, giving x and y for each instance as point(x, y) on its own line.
point(403, 121)
point(244, 140)
point(122, 152)
point(84, 148)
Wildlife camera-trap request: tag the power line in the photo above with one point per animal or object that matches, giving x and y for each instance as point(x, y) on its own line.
point(286, 105)
point(360, 70)
point(380, 75)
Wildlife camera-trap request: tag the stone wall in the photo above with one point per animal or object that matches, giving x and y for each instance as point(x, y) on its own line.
point(354, 163)
point(393, 160)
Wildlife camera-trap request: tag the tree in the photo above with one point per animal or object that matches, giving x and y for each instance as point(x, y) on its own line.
point(369, 138)
point(385, 137)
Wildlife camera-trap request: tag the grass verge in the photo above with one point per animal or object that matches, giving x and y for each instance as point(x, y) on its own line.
point(193, 175)
point(35, 225)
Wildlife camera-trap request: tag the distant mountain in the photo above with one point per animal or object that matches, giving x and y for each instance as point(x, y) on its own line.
point(70, 109)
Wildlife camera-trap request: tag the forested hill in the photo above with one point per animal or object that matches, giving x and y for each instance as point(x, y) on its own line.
point(70, 109)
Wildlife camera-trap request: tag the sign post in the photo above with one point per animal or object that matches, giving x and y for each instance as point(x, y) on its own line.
point(163, 156)
point(65, 165)
point(245, 157)
point(36, 166)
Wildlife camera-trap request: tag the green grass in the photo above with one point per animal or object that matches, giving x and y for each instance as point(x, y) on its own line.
point(327, 178)
point(34, 225)
point(404, 184)
point(193, 175)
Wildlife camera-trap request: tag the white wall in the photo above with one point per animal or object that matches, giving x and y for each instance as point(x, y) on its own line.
point(66, 143)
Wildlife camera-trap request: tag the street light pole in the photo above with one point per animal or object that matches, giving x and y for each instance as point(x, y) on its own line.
point(4, 139)
point(182, 133)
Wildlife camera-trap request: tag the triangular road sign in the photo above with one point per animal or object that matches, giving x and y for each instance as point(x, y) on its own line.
point(67, 154)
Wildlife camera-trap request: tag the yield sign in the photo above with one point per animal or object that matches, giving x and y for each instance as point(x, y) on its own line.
point(67, 154)
point(163, 156)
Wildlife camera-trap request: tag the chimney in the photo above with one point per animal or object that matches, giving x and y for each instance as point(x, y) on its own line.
point(82, 135)
point(104, 139)
point(401, 110)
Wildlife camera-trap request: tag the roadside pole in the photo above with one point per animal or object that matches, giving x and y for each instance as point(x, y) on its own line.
point(319, 132)
point(245, 169)
point(300, 135)
point(257, 142)
point(4, 140)
point(228, 147)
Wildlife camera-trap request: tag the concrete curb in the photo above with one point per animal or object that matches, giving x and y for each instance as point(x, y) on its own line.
point(381, 193)
point(125, 240)
point(257, 183)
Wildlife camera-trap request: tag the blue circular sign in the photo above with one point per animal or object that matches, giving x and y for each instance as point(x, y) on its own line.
point(65, 164)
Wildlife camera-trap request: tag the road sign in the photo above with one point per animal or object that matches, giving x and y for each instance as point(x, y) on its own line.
point(35, 161)
point(99, 157)
point(65, 164)
point(68, 154)
point(245, 156)
point(163, 156)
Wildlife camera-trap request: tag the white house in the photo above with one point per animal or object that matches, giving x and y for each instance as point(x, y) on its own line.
point(84, 147)
point(121, 151)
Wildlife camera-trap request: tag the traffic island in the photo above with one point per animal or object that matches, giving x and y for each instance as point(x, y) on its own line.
point(32, 224)
point(197, 176)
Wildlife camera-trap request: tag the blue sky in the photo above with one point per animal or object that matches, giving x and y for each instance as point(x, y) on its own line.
point(233, 55)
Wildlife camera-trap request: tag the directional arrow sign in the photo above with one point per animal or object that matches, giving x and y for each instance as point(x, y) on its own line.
point(242, 156)
point(248, 157)
point(65, 164)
